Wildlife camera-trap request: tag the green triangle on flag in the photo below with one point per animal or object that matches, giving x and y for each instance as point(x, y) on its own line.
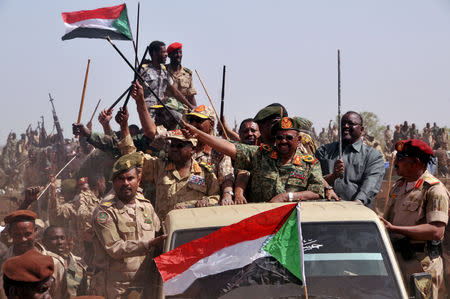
point(122, 24)
point(285, 246)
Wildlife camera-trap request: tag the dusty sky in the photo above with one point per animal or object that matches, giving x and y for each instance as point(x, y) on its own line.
point(395, 58)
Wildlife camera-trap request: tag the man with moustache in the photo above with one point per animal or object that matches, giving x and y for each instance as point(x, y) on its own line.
point(357, 175)
point(280, 173)
point(125, 226)
point(417, 214)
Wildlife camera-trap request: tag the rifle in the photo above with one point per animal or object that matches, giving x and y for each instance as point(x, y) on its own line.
point(56, 122)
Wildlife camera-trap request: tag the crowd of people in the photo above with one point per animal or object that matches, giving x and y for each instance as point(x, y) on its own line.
point(109, 192)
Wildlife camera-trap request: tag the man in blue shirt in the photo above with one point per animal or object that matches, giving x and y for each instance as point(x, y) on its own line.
point(358, 174)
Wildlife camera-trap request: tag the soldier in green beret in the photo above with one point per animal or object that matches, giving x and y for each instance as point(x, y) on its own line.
point(279, 173)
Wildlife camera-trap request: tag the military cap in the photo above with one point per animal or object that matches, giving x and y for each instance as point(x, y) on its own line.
point(170, 103)
point(413, 148)
point(68, 185)
point(32, 266)
point(20, 215)
point(203, 112)
point(272, 111)
point(174, 46)
point(177, 134)
point(127, 162)
point(286, 123)
point(304, 123)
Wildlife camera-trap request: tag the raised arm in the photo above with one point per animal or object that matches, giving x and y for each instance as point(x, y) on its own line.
point(148, 125)
point(219, 144)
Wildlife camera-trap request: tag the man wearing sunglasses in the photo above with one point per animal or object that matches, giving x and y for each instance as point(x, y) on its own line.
point(279, 173)
point(417, 213)
point(357, 175)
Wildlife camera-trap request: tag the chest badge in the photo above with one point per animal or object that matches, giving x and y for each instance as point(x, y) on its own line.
point(197, 180)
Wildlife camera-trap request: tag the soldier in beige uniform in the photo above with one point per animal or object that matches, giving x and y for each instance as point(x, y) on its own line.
point(180, 181)
point(181, 76)
point(125, 227)
point(417, 214)
point(22, 230)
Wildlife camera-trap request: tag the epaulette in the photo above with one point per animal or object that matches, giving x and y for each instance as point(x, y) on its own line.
point(265, 147)
point(206, 166)
point(106, 204)
point(431, 180)
point(309, 158)
point(187, 70)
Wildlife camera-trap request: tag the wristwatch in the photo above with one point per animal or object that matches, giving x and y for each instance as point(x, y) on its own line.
point(291, 196)
point(328, 187)
point(230, 192)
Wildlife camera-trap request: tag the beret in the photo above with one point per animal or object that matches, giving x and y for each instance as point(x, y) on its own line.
point(82, 181)
point(127, 162)
point(203, 111)
point(286, 123)
point(413, 148)
point(20, 215)
point(32, 266)
point(272, 111)
point(177, 134)
point(173, 47)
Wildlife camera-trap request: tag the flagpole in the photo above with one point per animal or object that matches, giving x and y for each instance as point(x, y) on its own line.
point(84, 91)
point(136, 61)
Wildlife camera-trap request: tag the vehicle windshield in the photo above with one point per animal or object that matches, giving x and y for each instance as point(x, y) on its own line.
point(342, 260)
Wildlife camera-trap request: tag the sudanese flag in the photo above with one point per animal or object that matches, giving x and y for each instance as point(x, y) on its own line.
point(98, 23)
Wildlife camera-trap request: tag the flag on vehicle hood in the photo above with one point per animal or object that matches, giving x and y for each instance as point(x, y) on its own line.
point(98, 23)
point(242, 247)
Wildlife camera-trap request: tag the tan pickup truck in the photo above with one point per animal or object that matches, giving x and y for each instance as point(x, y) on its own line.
point(347, 251)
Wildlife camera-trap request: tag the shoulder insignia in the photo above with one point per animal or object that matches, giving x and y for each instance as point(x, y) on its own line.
point(274, 155)
point(265, 147)
point(106, 203)
point(431, 180)
point(163, 67)
point(196, 167)
point(297, 160)
point(102, 217)
point(206, 166)
point(187, 70)
point(309, 159)
point(170, 166)
point(418, 184)
point(306, 139)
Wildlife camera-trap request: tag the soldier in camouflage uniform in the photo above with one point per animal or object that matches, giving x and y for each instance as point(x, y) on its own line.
point(125, 227)
point(55, 240)
point(279, 173)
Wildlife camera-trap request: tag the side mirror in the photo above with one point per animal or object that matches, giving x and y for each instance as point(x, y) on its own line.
point(421, 286)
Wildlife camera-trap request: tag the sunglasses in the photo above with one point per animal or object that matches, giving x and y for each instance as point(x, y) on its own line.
point(282, 137)
point(196, 120)
point(400, 156)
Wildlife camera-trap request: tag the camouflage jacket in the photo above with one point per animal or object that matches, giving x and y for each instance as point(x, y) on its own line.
point(269, 177)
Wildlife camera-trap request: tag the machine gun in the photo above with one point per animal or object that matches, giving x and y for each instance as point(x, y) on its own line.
point(60, 135)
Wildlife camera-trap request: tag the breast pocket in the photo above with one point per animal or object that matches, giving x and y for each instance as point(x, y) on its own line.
point(127, 229)
point(197, 183)
point(410, 206)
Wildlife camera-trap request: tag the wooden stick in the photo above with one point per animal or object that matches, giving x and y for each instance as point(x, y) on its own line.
point(84, 91)
point(95, 110)
point(391, 162)
point(209, 98)
point(306, 291)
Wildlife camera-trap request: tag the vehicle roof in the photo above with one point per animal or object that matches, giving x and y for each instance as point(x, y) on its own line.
point(218, 216)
